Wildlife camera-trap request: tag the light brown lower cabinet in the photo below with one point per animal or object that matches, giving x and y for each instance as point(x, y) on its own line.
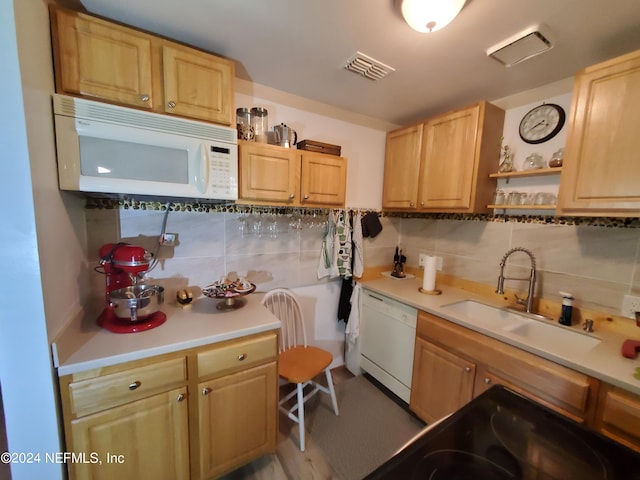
point(453, 364)
point(618, 416)
point(190, 415)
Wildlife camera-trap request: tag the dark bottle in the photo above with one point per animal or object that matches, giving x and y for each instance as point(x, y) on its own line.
point(567, 309)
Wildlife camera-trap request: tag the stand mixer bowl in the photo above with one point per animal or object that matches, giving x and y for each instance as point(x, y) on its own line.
point(136, 302)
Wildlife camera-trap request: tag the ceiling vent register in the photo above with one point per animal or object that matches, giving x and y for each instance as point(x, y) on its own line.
point(522, 46)
point(368, 67)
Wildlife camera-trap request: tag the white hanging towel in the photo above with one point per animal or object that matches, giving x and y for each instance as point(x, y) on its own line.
point(328, 261)
point(352, 330)
point(356, 238)
point(343, 237)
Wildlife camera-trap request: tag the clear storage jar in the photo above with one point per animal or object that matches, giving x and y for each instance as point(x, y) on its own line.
point(260, 123)
point(243, 124)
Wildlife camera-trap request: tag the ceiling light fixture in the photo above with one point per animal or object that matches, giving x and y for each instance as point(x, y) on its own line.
point(430, 15)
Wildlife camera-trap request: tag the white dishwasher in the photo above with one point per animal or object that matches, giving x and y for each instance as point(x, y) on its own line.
point(387, 338)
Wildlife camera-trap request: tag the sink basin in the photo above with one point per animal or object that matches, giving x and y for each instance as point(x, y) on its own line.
point(552, 335)
point(484, 315)
point(533, 329)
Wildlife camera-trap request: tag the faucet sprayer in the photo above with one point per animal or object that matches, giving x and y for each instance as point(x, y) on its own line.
point(528, 302)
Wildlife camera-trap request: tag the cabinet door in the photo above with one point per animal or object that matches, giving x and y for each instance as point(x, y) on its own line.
point(323, 180)
point(448, 160)
point(601, 171)
point(237, 419)
point(442, 382)
point(101, 59)
point(144, 439)
point(618, 416)
point(401, 168)
point(197, 84)
point(268, 173)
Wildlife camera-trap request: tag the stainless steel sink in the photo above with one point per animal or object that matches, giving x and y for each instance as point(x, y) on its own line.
point(530, 328)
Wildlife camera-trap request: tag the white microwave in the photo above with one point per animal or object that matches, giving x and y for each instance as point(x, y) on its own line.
point(103, 148)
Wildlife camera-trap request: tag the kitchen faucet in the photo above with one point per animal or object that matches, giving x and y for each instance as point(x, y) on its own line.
point(527, 302)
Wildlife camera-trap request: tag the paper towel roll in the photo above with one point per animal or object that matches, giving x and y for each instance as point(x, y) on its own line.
point(429, 279)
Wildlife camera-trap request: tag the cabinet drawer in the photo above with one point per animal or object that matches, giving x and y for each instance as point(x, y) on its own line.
point(237, 355)
point(95, 394)
point(619, 416)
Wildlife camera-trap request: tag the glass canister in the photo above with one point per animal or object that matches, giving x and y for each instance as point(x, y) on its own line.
point(557, 158)
point(260, 123)
point(243, 124)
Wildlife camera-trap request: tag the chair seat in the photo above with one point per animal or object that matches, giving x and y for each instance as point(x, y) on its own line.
point(300, 364)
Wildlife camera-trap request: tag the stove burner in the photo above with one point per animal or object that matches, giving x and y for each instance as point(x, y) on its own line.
point(459, 465)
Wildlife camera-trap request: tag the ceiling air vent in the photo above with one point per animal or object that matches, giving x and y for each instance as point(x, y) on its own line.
point(526, 44)
point(368, 67)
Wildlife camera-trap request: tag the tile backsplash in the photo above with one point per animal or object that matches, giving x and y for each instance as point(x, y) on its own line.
point(598, 264)
point(596, 261)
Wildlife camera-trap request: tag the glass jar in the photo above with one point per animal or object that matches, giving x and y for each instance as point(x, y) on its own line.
point(499, 197)
point(260, 123)
point(533, 162)
point(557, 158)
point(243, 124)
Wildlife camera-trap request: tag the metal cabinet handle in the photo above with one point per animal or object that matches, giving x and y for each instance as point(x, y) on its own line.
point(306, 197)
point(411, 204)
point(242, 356)
point(422, 204)
point(144, 97)
point(171, 104)
point(206, 391)
point(467, 369)
point(292, 196)
point(487, 380)
point(134, 385)
point(180, 397)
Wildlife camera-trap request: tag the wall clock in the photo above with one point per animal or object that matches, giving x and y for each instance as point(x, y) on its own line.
point(542, 123)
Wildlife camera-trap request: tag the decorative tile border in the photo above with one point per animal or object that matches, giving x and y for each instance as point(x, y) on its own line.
point(180, 205)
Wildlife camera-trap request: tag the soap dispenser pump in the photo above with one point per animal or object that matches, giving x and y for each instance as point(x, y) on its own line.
point(567, 309)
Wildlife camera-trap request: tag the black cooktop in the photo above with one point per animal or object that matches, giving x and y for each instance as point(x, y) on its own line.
point(503, 435)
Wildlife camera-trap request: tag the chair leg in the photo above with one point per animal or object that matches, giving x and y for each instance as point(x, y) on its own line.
point(301, 415)
point(332, 391)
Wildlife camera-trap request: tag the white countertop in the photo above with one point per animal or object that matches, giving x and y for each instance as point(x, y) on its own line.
point(84, 345)
point(604, 361)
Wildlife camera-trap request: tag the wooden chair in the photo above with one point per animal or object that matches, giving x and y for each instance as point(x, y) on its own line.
point(298, 362)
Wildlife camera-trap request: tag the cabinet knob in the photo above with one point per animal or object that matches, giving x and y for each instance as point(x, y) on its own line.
point(292, 196)
point(206, 391)
point(487, 380)
point(144, 97)
point(242, 356)
point(422, 204)
point(411, 204)
point(171, 104)
point(467, 369)
point(180, 397)
point(134, 385)
point(306, 197)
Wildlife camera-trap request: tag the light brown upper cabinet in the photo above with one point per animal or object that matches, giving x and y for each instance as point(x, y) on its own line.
point(443, 164)
point(274, 175)
point(601, 171)
point(111, 62)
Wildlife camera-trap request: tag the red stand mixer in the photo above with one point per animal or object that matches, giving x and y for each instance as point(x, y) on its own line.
point(130, 307)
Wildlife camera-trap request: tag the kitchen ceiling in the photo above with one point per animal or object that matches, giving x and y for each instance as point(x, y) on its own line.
point(301, 46)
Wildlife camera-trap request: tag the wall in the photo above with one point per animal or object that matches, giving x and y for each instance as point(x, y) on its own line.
point(28, 391)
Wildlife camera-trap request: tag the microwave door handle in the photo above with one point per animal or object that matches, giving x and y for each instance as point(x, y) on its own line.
point(204, 169)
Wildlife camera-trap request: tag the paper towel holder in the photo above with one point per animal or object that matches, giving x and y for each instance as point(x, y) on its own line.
point(429, 292)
